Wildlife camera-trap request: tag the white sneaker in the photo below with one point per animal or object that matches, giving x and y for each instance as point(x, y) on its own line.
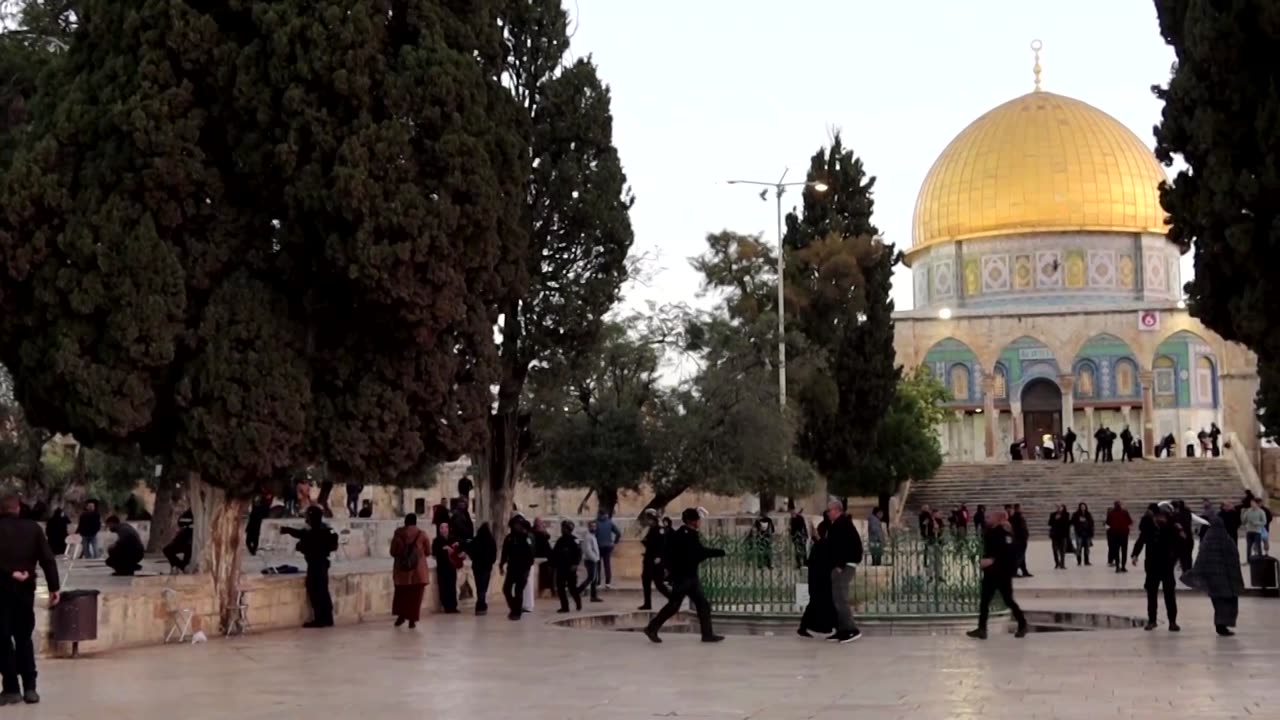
point(857, 635)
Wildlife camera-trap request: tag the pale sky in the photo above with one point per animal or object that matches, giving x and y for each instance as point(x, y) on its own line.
point(710, 90)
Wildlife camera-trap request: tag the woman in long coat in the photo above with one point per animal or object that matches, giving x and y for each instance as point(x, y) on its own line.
point(1217, 573)
point(446, 551)
point(410, 548)
point(820, 613)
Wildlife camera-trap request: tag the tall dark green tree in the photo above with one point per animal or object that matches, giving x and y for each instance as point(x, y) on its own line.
point(251, 236)
point(577, 217)
point(839, 273)
point(1222, 118)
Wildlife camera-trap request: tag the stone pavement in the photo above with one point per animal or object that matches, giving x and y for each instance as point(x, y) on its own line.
point(479, 668)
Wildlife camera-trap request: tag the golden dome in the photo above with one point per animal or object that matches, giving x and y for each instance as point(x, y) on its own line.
point(1039, 163)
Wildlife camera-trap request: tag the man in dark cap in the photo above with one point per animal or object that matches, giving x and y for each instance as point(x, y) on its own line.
point(315, 542)
point(1163, 540)
point(22, 547)
point(685, 552)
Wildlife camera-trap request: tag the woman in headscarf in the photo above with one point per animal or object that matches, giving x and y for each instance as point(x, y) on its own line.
point(820, 613)
point(409, 548)
point(1217, 573)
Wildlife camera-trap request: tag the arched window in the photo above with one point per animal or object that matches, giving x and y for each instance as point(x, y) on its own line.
point(1204, 381)
point(1086, 378)
point(960, 382)
point(1125, 385)
point(1001, 383)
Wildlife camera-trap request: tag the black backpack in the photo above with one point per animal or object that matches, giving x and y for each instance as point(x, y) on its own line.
point(409, 557)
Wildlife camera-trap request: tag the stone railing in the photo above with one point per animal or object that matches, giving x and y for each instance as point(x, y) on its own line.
point(1239, 456)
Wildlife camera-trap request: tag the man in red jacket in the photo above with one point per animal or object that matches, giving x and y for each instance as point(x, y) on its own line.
point(1118, 523)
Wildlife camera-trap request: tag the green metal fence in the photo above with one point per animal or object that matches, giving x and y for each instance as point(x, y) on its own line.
point(907, 576)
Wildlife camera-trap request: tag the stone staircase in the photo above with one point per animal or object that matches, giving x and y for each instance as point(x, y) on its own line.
point(1040, 486)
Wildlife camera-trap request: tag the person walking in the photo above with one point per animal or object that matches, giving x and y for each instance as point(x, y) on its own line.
point(1217, 573)
point(88, 526)
point(446, 551)
point(798, 529)
point(980, 519)
point(845, 554)
point(565, 557)
point(1126, 445)
point(409, 549)
point(876, 535)
point(23, 546)
point(1118, 522)
point(1254, 521)
point(55, 531)
point(483, 551)
point(999, 561)
point(1021, 538)
point(684, 554)
point(1162, 539)
point(515, 563)
point(820, 614)
point(1069, 446)
point(1059, 535)
point(651, 569)
point(1082, 525)
point(607, 536)
point(316, 541)
point(591, 562)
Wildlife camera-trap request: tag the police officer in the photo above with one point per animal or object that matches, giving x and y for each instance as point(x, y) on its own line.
point(685, 552)
point(22, 547)
point(1163, 539)
point(315, 542)
point(655, 540)
point(999, 560)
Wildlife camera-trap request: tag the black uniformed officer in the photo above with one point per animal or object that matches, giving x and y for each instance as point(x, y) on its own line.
point(685, 552)
point(999, 560)
point(1163, 539)
point(315, 542)
point(22, 547)
point(655, 541)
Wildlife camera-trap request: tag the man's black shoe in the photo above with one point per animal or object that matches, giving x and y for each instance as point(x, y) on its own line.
point(1149, 626)
point(978, 634)
point(1021, 632)
point(850, 637)
point(31, 697)
point(713, 638)
point(652, 635)
point(10, 699)
point(1173, 627)
point(642, 607)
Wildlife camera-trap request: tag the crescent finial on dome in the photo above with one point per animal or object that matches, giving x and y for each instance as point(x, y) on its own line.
point(1036, 47)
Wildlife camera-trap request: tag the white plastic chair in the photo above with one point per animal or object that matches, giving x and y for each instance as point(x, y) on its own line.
point(239, 624)
point(179, 617)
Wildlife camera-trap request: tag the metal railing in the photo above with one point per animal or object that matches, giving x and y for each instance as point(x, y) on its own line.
point(907, 576)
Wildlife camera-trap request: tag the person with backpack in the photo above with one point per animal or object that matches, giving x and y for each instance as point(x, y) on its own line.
point(409, 549)
point(316, 541)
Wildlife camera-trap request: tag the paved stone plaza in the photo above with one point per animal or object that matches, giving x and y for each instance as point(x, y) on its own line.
point(479, 668)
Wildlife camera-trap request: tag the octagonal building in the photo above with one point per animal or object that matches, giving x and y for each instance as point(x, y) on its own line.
point(1047, 296)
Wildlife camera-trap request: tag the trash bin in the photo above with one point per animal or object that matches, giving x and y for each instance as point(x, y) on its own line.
point(1262, 572)
point(75, 618)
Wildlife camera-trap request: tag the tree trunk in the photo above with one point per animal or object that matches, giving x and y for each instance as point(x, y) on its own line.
point(216, 545)
point(608, 498)
point(499, 471)
point(663, 498)
point(170, 503)
point(586, 500)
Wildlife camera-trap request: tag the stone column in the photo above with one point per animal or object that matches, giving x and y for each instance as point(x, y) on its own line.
point(1090, 430)
point(1015, 408)
point(1146, 377)
point(1068, 385)
point(989, 409)
point(1125, 419)
point(962, 442)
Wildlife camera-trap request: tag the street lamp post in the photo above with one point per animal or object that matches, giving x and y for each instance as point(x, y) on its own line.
point(779, 188)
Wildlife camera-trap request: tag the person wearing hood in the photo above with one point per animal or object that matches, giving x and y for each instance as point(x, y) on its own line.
point(1217, 573)
point(820, 613)
point(607, 536)
point(316, 541)
point(409, 548)
point(483, 551)
point(1082, 525)
point(1162, 539)
point(565, 557)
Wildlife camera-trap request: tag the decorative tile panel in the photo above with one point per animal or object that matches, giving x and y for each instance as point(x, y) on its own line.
point(1102, 269)
point(943, 276)
point(1024, 273)
point(1156, 278)
point(1125, 272)
point(995, 273)
point(1048, 269)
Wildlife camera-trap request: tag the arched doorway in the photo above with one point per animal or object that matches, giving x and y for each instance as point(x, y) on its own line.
point(1041, 410)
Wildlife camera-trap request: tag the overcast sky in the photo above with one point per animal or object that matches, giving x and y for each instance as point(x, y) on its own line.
point(709, 90)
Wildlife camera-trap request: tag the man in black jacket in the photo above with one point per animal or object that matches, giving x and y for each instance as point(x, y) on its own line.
point(22, 547)
point(1163, 540)
point(514, 564)
point(685, 552)
point(651, 572)
point(1021, 538)
point(315, 542)
point(845, 552)
point(999, 560)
